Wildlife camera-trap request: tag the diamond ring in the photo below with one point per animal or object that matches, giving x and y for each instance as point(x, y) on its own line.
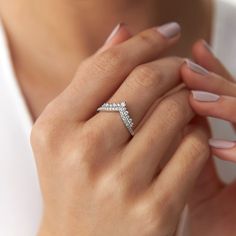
point(124, 114)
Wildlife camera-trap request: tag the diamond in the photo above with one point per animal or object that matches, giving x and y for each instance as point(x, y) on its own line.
point(123, 104)
point(124, 114)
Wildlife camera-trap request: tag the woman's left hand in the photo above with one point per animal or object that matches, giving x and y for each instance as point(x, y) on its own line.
point(213, 94)
point(212, 208)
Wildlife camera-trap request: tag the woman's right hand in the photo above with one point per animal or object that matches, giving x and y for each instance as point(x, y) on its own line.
point(95, 179)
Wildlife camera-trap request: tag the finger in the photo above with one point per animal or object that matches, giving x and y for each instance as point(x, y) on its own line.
point(226, 150)
point(209, 104)
point(198, 78)
point(140, 90)
point(180, 174)
point(223, 107)
point(119, 34)
point(208, 182)
point(155, 139)
point(204, 56)
point(100, 75)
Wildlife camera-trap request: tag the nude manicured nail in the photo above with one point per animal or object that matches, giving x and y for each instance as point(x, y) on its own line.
point(169, 30)
point(196, 68)
point(114, 32)
point(202, 96)
point(221, 144)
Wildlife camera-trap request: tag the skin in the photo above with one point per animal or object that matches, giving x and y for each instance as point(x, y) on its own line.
point(212, 202)
point(53, 69)
point(218, 81)
point(114, 188)
point(46, 57)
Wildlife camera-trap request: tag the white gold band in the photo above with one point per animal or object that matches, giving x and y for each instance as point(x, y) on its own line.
point(124, 114)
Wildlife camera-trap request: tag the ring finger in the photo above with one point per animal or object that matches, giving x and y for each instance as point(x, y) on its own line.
point(140, 90)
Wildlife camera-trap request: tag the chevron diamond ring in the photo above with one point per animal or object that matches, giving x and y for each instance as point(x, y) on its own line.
point(124, 114)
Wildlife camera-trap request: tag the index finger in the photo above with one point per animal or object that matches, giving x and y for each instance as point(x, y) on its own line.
point(100, 75)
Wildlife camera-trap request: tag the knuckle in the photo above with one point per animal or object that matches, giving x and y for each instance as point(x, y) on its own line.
point(198, 147)
point(105, 190)
point(45, 129)
point(169, 212)
point(90, 137)
point(49, 130)
point(146, 76)
point(149, 37)
point(111, 186)
point(155, 219)
point(41, 133)
point(174, 109)
point(109, 60)
point(164, 203)
point(146, 214)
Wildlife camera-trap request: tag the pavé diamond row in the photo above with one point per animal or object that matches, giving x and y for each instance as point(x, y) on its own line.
point(124, 114)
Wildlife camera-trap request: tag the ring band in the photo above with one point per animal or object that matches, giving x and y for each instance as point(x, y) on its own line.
point(124, 114)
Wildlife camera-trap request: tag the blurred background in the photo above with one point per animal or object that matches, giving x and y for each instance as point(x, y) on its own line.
point(233, 1)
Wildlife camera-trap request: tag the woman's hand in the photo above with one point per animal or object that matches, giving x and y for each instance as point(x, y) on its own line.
point(95, 179)
point(213, 95)
point(212, 203)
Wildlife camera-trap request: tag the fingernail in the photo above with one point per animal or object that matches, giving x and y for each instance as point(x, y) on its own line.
point(221, 144)
point(207, 46)
point(196, 68)
point(114, 32)
point(202, 96)
point(169, 30)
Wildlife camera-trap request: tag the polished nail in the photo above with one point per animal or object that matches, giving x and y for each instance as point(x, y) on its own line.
point(114, 32)
point(202, 96)
point(221, 144)
point(196, 68)
point(207, 46)
point(169, 30)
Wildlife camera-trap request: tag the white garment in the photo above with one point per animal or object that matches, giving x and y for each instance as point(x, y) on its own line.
point(20, 197)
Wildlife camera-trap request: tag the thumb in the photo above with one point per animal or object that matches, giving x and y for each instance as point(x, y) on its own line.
point(119, 34)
